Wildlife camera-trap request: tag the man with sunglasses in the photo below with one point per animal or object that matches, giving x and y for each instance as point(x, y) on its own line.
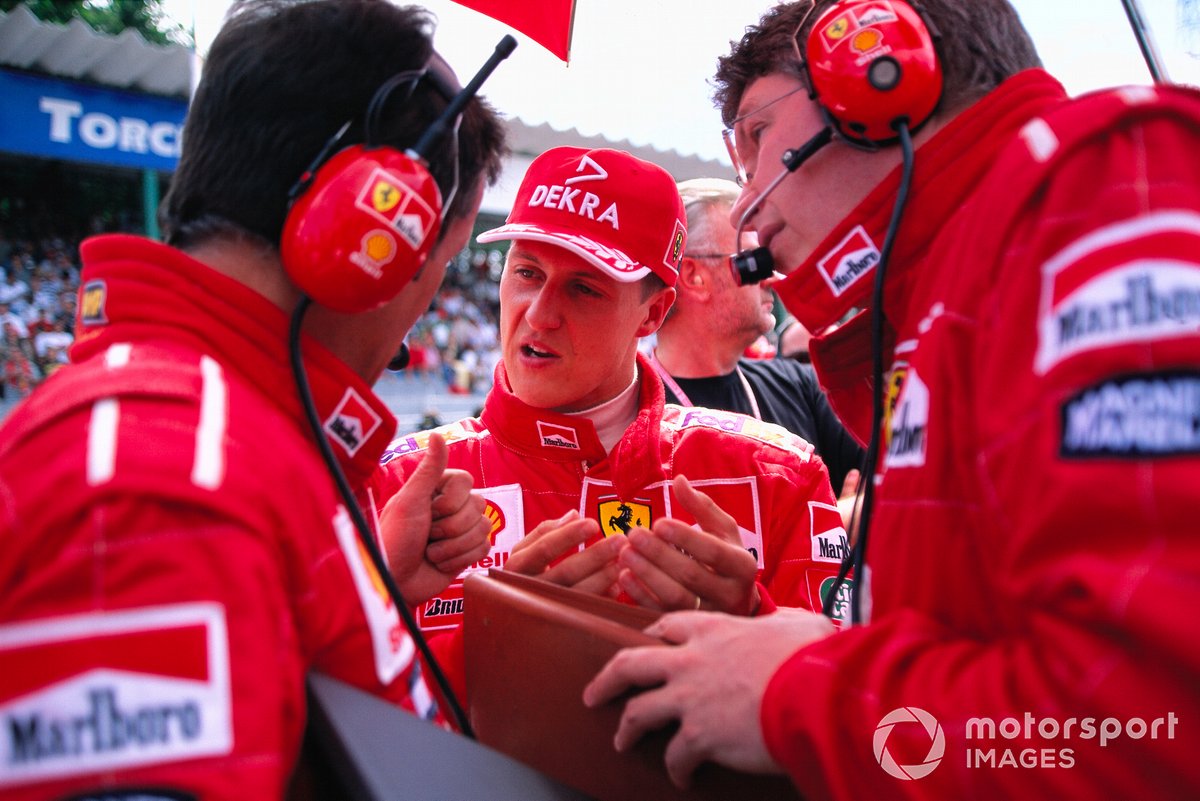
point(1032, 567)
point(698, 350)
point(175, 556)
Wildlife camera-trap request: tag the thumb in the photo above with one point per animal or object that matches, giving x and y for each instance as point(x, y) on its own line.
point(850, 484)
point(424, 481)
point(698, 505)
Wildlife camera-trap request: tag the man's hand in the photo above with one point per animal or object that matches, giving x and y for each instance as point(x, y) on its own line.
point(676, 566)
point(433, 527)
point(593, 570)
point(849, 504)
point(712, 682)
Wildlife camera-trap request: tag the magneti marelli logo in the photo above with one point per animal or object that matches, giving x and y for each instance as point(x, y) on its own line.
point(937, 743)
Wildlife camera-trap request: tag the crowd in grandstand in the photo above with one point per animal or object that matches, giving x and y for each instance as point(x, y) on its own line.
point(39, 281)
point(457, 341)
point(459, 337)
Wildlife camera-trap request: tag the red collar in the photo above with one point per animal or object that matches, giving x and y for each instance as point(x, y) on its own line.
point(635, 462)
point(948, 168)
point(142, 291)
point(839, 275)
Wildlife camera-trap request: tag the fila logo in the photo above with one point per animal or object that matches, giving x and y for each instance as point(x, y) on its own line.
point(600, 173)
point(850, 260)
point(555, 436)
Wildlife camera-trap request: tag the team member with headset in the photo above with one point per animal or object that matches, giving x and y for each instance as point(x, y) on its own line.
point(176, 556)
point(1032, 279)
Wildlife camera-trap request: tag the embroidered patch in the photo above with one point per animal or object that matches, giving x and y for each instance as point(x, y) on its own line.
point(100, 692)
point(909, 424)
point(93, 298)
point(829, 541)
point(1138, 416)
point(352, 422)
point(619, 517)
point(852, 258)
point(556, 436)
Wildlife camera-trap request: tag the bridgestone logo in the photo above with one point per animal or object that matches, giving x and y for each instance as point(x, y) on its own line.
point(439, 607)
point(1143, 415)
point(106, 728)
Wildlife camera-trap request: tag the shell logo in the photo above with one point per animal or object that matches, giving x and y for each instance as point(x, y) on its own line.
point(495, 516)
point(378, 247)
point(373, 574)
point(866, 41)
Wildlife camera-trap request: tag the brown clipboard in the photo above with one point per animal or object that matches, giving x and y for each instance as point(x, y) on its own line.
point(530, 649)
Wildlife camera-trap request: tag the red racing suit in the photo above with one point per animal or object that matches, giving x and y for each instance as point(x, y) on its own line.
point(1034, 564)
point(534, 465)
point(174, 556)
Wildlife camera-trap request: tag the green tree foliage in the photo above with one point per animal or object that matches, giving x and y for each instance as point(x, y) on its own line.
point(110, 16)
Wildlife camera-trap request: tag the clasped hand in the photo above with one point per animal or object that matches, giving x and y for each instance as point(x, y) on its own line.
point(669, 566)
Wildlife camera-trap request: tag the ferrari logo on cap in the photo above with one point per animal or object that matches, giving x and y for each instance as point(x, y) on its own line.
point(675, 250)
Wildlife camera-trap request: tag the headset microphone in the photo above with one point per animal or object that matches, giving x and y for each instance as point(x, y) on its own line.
point(362, 222)
point(401, 359)
point(437, 128)
point(756, 265)
point(873, 68)
point(341, 246)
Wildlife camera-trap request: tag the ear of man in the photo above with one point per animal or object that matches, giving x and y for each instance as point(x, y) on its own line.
point(694, 278)
point(656, 307)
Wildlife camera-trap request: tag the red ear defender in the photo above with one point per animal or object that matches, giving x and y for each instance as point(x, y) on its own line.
point(871, 63)
point(362, 228)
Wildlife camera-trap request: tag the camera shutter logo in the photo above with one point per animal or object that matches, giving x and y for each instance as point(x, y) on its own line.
point(937, 745)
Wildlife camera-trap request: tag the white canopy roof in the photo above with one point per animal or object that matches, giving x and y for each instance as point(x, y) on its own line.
point(128, 62)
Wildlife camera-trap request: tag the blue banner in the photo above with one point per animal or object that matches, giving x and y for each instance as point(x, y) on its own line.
point(76, 122)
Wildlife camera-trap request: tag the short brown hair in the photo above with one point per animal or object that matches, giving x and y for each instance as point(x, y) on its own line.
point(280, 79)
point(981, 43)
